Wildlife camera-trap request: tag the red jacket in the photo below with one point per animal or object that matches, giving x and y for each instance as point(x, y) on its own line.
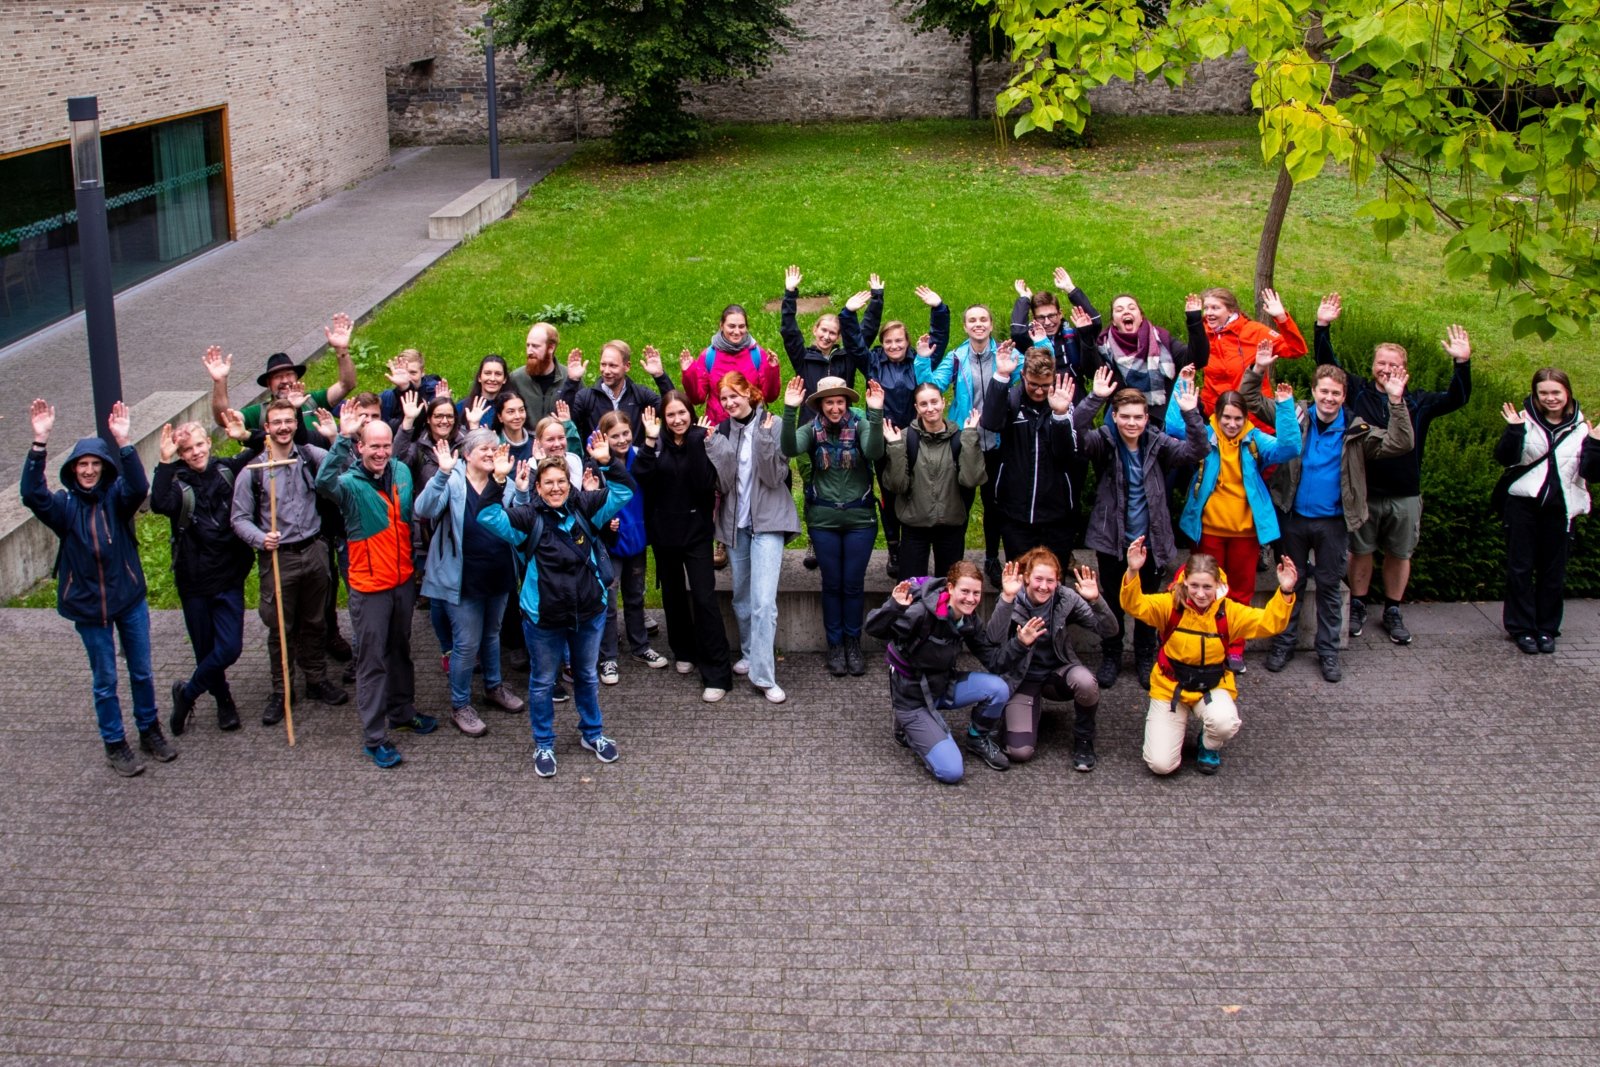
point(700, 384)
point(1233, 351)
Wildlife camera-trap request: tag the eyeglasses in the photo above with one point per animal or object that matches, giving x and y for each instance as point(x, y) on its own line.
point(1048, 316)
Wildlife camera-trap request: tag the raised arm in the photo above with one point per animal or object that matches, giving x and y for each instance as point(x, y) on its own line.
point(338, 335)
point(218, 367)
point(794, 342)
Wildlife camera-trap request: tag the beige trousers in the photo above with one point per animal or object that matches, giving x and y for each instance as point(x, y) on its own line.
point(1167, 721)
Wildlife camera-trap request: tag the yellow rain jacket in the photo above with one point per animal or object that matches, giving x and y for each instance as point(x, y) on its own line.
point(1203, 647)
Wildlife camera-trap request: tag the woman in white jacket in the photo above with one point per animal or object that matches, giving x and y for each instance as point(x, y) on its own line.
point(1550, 453)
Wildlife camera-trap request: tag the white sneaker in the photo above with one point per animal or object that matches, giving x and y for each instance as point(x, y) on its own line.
point(608, 673)
point(776, 695)
point(741, 667)
point(713, 694)
point(683, 668)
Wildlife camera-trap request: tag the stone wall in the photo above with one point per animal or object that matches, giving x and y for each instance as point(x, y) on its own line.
point(849, 59)
point(306, 116)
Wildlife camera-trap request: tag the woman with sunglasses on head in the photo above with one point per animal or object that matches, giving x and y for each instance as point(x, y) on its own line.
point(1550, 454)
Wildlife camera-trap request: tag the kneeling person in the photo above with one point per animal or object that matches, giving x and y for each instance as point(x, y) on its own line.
point(1196, 622)
point(927, 622)
point(1050, 668)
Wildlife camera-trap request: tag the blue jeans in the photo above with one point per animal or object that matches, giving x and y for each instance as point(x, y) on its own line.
point(216, 630)
point(842, 556)
point(546, 649)
point(440, 618)
point(475, 629)
point(133, 631)
point(755, 560)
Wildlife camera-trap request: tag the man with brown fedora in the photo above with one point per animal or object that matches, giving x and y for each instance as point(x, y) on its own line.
point(282, 379)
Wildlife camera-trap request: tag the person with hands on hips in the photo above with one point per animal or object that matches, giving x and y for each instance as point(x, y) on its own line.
point(1197, 621)
point(927, 623)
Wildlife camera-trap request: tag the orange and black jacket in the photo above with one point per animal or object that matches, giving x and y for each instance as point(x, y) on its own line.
point(377, 517)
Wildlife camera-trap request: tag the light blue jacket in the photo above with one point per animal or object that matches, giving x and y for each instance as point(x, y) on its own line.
point(1267, 451)
point(970, 383)
point(446, 491)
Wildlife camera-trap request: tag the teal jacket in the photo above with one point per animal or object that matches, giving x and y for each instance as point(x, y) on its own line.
point(1258, 450)
point(970, 378)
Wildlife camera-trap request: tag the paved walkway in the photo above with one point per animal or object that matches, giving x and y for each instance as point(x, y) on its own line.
point(1398, 869)
point(271, 292)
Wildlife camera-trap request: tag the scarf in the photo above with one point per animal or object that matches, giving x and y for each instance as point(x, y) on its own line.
point(1144, 359)
point(833, 446)
point(720, 343)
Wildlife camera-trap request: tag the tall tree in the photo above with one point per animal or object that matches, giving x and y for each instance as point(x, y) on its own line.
point(644, 54)
point(1479, 118)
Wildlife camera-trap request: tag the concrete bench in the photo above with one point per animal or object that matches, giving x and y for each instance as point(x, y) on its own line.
point(800, 604)
point(473, 210)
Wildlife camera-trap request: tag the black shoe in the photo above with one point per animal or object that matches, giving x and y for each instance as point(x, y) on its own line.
point(836, 660)
point(810, 562)
point(227, 715)
point(327, 693)
point(1395, 626)
point(983, 746)
point(340, 649)
point(181, 707)
point(154, 742)
point(1528, 643)
point(856, 663)
point(900, 737)
point(1547, 644)
point(1083, 758)
point(1330, 668)
point(559, 694)
point(349, 675)
point(123, 760)
point(892, 568)
point(1358, 616)
point(1144, 666)
point(1110, 668)
point(272, 714)
point(992, 571)
point(1279, 657)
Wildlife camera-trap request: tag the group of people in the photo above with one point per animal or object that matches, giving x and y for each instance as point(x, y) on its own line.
point(522, 513)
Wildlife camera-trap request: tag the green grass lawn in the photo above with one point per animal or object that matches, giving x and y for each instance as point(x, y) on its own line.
point(1158, 207)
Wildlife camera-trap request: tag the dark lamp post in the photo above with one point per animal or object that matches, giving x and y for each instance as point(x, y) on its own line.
point(488, 77)
point(94, 258)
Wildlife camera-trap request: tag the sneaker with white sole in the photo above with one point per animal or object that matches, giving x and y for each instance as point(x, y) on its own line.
point(608, 673)
point(711, 694)
point(683, 667)
point(775, 694)
point(604, 749)
point(651, 658)
point(544, 762)
point(741, 666)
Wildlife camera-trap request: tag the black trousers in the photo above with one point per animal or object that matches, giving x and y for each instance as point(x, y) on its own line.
point(1059, 536)
point(1151, 579)
point(947, 543)
point(695, 633)
point(1537, 539)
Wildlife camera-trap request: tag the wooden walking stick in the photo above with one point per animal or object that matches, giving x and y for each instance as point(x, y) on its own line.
point(277, 588)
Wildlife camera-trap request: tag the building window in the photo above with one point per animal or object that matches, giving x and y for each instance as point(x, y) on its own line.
point(166, 201)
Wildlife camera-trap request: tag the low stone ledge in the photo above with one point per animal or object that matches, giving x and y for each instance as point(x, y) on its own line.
point(473, 210)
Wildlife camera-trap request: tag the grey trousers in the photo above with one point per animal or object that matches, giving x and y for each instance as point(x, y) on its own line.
point(303, 573)
point(1329, 541)
point(380, 628)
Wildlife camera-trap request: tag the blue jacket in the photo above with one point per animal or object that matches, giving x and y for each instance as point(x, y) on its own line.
point(899, 379)
point(527, 511)
point(970, 381)
point(446, 492)
point(1267, 451)
point(631, 539)
point(97, 568)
